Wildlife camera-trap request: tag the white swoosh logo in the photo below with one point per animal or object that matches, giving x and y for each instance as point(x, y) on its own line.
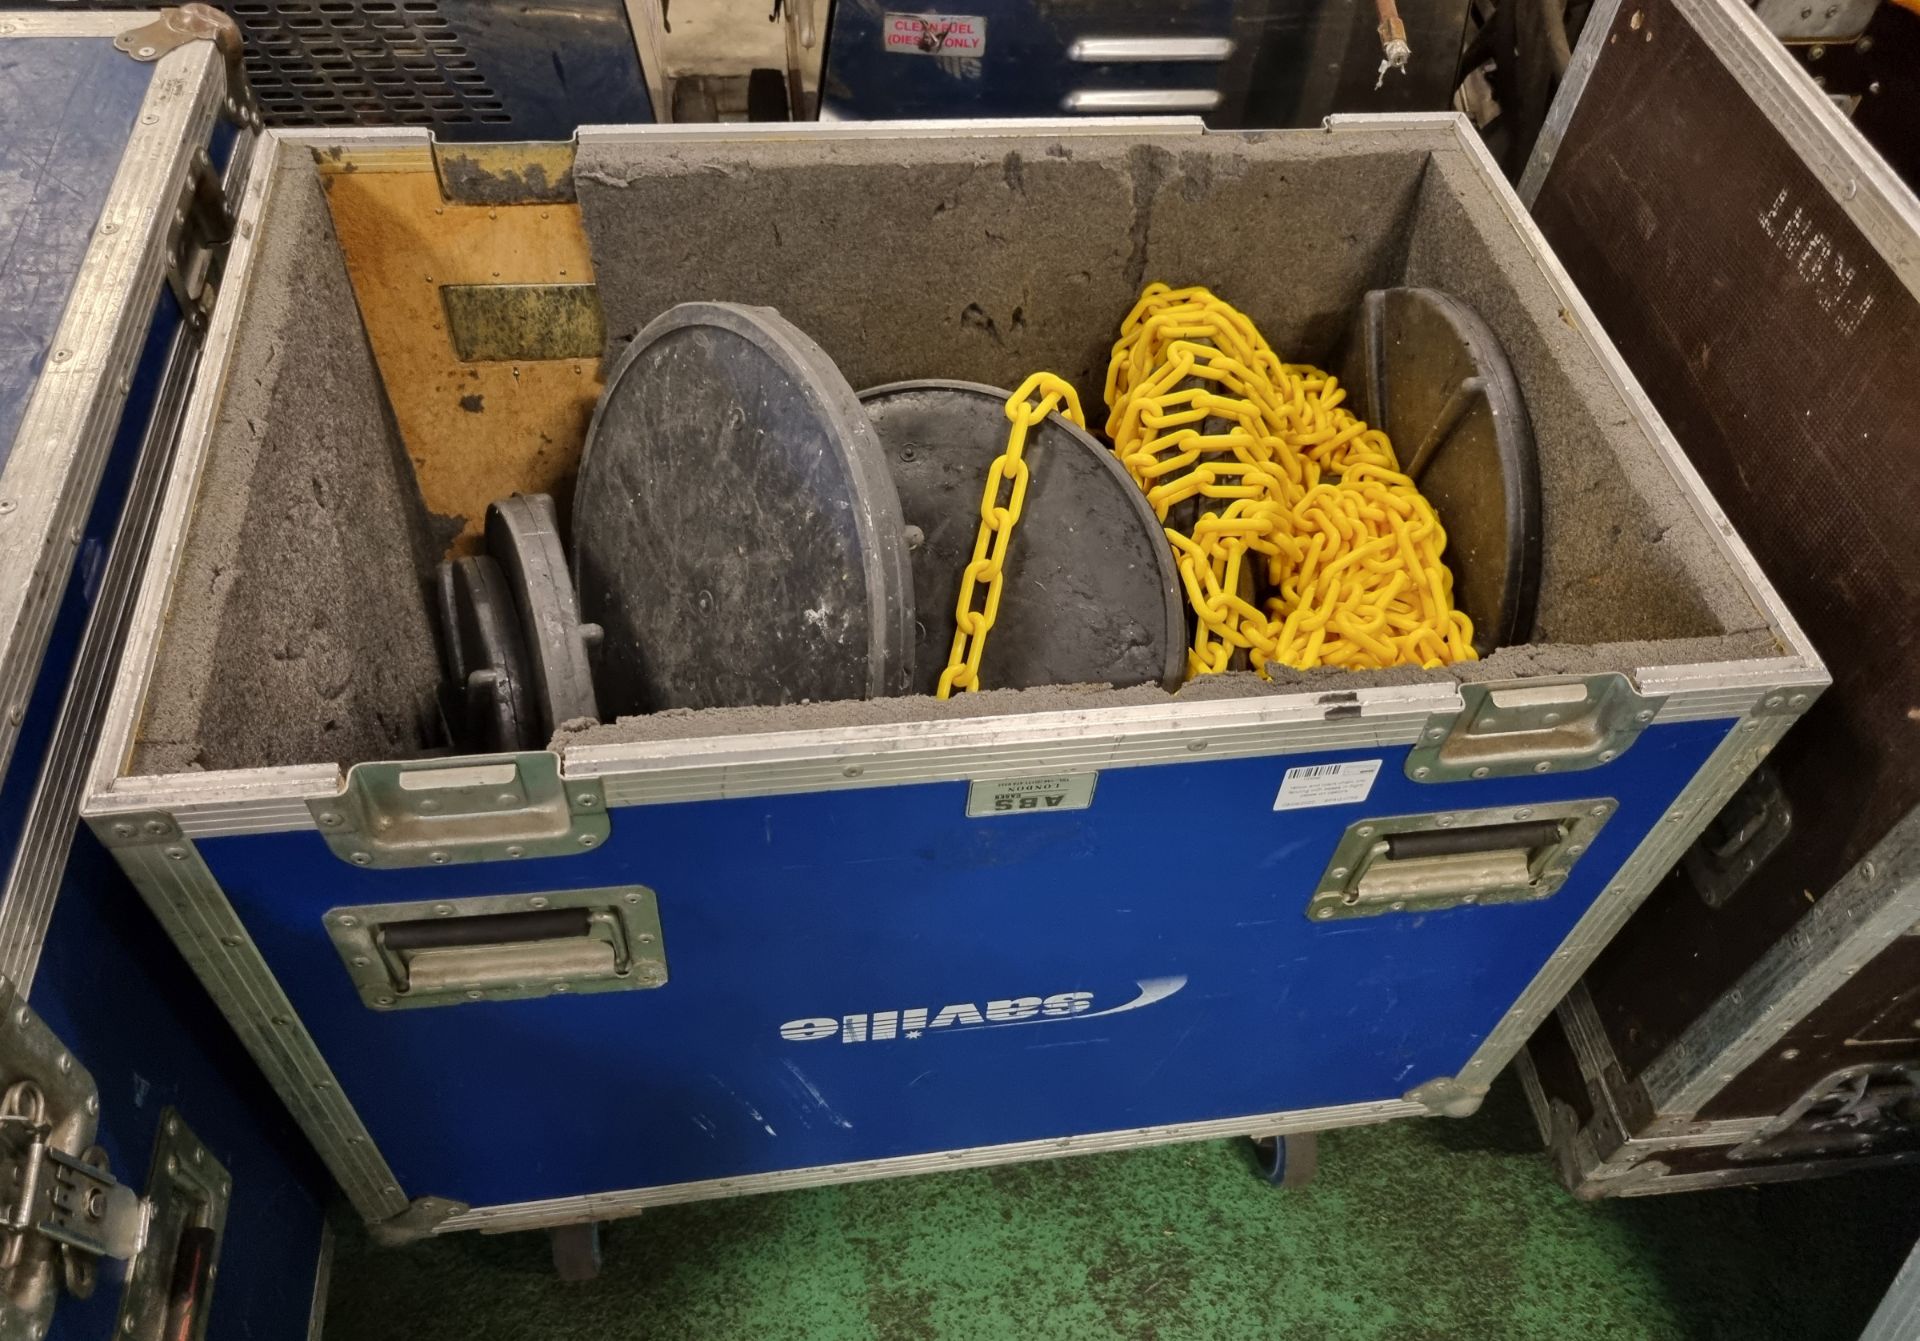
point(1151, 990)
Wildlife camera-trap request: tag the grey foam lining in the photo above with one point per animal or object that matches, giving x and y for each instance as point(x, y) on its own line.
point(299, 629)
point(978, 259)
point(988, 259)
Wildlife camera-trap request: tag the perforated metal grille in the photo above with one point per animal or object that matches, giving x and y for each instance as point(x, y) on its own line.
point(361, 62)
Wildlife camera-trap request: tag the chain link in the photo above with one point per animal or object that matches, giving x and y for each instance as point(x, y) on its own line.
point(1316, 514)
point(1039, 396)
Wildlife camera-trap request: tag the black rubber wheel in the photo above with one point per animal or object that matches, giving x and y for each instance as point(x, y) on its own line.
point(767, 96)
point(523, 537)
point(1288, 1161)
point(488, 698)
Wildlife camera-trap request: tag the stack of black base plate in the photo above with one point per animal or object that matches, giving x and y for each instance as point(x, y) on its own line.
point(515, 649)
point(749, 531)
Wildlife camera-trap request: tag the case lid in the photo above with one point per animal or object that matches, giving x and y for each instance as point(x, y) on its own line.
point(1758, 266)
point(70, 105)
point(99, 150)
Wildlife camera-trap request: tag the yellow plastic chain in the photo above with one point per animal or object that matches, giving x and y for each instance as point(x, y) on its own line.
point(988, 566)
point(1343, 542)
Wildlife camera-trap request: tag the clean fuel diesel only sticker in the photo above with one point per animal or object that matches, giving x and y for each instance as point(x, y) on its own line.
point(935, 34)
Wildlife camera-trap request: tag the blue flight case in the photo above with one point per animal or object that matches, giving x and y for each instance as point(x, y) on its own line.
point(830, 941)
point(142, 1157)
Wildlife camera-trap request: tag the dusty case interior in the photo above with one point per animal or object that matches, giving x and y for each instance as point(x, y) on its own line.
point(354, 447)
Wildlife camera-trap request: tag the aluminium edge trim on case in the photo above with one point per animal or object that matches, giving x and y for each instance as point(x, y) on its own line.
point(73, 23)
point(611, 1205)
point(167, 545)
point(1635, 1169)
point(1898, 1316)
point(184, 895)
point(1620, 1106)
point(322, 1283)
point(1652, 1178)
point(716, 132)
point(30, 888)
point(1866, 910)
point(1867, 190)
point(1566, 99)
point(74, 411)
point(1696, 1136)
point(1736, 756)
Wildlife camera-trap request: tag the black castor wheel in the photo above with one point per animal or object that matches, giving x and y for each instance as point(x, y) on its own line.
point(1288, 1161)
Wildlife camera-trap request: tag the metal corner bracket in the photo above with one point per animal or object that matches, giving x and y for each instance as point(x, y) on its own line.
point(176, 27)
point(1555, 724)
point(420, 1220)
point(1447, 1096)
point(441, 812)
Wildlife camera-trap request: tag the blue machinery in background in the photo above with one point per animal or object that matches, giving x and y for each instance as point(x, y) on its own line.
point(1239, 62)
point(472, 70)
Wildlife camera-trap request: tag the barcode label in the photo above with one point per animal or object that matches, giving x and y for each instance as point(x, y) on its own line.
point(1326, 784)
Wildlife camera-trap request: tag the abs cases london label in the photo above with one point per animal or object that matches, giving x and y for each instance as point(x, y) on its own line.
point(1030, 796)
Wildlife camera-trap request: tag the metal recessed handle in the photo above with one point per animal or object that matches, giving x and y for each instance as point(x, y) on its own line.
point(1454, 878)
point(1148, 50)
point(489, 950)
point(1476, 838)
point(190, 1282)
point(1423, 863)
point(511, 964)
point(1140, 102)
point(501, 947)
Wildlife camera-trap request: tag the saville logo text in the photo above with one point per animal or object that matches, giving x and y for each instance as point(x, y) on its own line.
point(881, 1026)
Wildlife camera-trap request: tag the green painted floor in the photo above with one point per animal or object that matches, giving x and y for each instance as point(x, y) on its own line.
point(1422, 1229)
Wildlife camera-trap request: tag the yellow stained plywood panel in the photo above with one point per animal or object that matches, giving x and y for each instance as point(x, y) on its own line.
point(476, 431)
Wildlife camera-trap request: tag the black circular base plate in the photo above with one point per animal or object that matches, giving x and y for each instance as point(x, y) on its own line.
point(523, 537)
point(735, 530)
point(488, 706)
point(1092, 595)
point(1429, 371)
